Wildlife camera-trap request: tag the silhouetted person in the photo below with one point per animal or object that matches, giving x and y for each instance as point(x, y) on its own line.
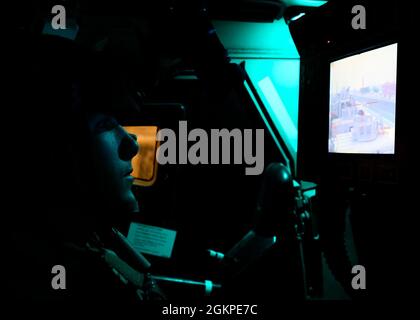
point(67, 175)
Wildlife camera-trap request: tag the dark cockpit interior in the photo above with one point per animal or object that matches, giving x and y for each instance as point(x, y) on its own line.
point(275, 140)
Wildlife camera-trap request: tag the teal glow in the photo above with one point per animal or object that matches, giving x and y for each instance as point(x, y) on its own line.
point(300, 15)
point(70, 32)
point(273, 64)
point(310, 193)
point(208, 284)
point(305, 3)
point(277, 83)
point(255, 40)
point(215, 254)
point(208, 287)
point(266, 122)
point(278, 112)
point(274, 239)
point(161, 278)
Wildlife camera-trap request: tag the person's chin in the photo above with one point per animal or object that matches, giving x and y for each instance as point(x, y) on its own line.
point(133, 205)
point(129, 203)
point(119, 214)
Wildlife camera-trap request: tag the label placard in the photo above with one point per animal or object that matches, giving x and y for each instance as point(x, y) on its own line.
point(152, 240)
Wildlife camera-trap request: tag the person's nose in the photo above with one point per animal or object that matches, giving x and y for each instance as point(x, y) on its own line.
point(129, 146)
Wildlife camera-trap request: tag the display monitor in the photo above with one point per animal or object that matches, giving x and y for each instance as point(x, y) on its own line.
point(363, 102)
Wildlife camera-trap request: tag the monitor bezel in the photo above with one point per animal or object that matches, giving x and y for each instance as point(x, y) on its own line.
point(350, 53)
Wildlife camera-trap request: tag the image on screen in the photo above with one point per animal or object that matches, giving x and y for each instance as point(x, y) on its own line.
point(362, 102)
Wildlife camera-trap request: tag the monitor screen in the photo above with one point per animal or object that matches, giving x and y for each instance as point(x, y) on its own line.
point(362, 102)
point(144, 163)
